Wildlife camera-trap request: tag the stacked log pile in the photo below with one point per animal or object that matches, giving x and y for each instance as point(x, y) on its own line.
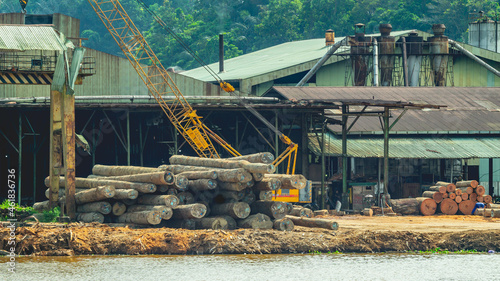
point(446, 198)
point(191, 192)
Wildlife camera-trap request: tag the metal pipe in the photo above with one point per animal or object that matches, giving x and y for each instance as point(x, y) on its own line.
point(475, 58)
point(490, 177)
point(132, 98)
point(405, 61)
point(221, 53)
point(128, 138)
point(344, 148)
point(320, 63)
point(375, 62)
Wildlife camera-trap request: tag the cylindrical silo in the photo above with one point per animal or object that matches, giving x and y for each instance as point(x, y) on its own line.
point(360, 54)
point(414, 48)
point(439, 51)
point(386, 45)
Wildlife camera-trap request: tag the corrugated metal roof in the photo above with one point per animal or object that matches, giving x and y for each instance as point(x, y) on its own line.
point(475, 110)
point(19, 38)
point(272, 59)
point(420, 148)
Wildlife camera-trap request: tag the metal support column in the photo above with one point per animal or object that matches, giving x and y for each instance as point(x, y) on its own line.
point(128, 137)
point(276, 137)
point(323, 195)
point(141, 150)
point(386, 150)
point(490, 178)
point(305, 139)
point(20, 158)
point(344, 148)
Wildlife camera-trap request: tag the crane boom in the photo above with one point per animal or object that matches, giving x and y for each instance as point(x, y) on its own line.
point(156, 78)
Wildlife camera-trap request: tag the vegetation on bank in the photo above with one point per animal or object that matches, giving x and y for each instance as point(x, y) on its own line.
point(250, 25)
point(10, 210)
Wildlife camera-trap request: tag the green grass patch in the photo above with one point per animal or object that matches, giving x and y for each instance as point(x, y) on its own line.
point(441, 251)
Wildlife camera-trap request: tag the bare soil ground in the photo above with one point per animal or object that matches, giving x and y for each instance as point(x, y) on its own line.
point(355, 234)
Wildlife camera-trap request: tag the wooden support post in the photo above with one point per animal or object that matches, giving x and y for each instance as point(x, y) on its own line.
point(55, 147)
point(344, 149)
point(69, 151)
point(386, 151)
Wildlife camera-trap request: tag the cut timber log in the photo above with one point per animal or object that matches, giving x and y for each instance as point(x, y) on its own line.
point(238, 210)
point(257, 177)
point(170, 201)
point(92, 195)
point(227, 175)
point(445, 195)
point(427, 206)
point(119, 208)
point(93, 183)
point(222, 163)
point(480, 190)
point(466, 207)
point(465, 196)
point(143, 217)
point(321, 213)
point(159, 178)
point(301, 212)
point(448, 207)
point(458, 199)
point(458, 192)
point(314, 222)
point(263, 157)
point(180, 182)
point(284, 224)
point(266, 195)
point(234, 186)
point(480, 198)
point(41, 206)
point(437, 196)
point(450, 187)
point(172, 191)
point(488, 212)
point(202, 184)
point(231, 223)
point(493, 206)
point(439, 188)
point(215, 223)
point(197, 175)
point(368, 212)
point(268, 184)
point(249, 198)
point(105, 170)
point(231, 195)
point(289, 181)
point(185, 198)
point(126, 194)
point(101, 207)
point(495, 213)
point(414, 206)
point(473, 197)
point(90, 217)
point(479, 212)
point(452, 195)
point(186, 224)
point(273, 209)
point(472, 183)
point(165, 212)
point(256, 221)
point(191, 211)
point(468, 189)
point(487, 198)
point(129, 202)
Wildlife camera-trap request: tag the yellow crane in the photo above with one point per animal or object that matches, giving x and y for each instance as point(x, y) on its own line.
point(162, 87)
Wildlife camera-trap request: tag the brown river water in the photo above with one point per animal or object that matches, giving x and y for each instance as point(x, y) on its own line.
point(304, 267)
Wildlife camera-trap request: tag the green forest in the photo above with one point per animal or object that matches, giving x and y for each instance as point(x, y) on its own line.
point(250, 25)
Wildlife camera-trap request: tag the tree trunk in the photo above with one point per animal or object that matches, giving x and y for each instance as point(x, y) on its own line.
point(231, 223)
point(101, 207)
point(214, 223)
point(222, 163)
point(273, 209)
point(256, 221)
point(465, 196)
point(191, 211)
point(105, 170)
point(180, 182)
point(314, 222)
point(159, 178)
point(93, 183)
point(265, 195)
point(437, 196)
point(289, 181)
point(197, 175)
point(473, 197)
point(165, 212)
point(268, 184)
point(480, 190)
point(119, 208)
point(284, 224)
point(458, 199)
point(450, 187)
point(472, 183)
point(41, 206)
point(452, 195)
point(238, 210)
point(126, 194)
point(479, 212)
point(448, 207)
point(301, 212)
point(262, 157)
point(487, 198)
point(90, 217)
point(468, 189)
point(257, 177)
point(202, 184)
point(480, 198)
point(170, 201)
point(458, 192)
point(466, 207)
point(231, 195)
point(234, 186)
point(439, 188)
point(143, 217)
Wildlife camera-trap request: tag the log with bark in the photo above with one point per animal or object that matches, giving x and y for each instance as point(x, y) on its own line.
point(222, 163)
point(414, 206)
point(273, 209)
point(185, 198)
point(238, 210)
point(450, 187)
point(119, 208)
point(300, 211)
point(249, 198)
point(215, 223)
point(367, 212)
point(266, 195)
point(471, 183)
point(452, 195)
point(170, 201)
point(467, 189)
point(448, 207)
point(487, 212)
point(480, 190)
point(257, 177)
point(159, 178)
point(495, 213)
point(466, 207)
point(101, 207)
point(231, 222)
point(202, 184)
point(268, 184)
point(90, 217)
point(262, 157)
point(458, 199)
point(126, 194)
point(289, 181)
point(458, 192)
point(437, 196)
point(256, 221)
point(234, 186)
point(439, 188)
point(473, 197)
point(105, 170)
point(314, 222)
point(191, 211)
point(186, 224)
point(165, 212)
point(487, 198)
point(284, 224)
point(197, 175)
point(142, 217)
point(94, 183)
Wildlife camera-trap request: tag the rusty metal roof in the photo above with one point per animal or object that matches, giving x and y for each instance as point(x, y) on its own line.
point(468, 110)
point(420, 148)
point(20, 38)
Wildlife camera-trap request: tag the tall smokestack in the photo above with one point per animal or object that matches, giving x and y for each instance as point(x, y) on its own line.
point(221, 53)
point(438, 51)
point(360, 53)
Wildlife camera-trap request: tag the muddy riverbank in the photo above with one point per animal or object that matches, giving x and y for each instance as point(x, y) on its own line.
point(355, 235)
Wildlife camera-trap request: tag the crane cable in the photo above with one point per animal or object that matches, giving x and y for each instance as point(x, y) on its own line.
point(227, 87)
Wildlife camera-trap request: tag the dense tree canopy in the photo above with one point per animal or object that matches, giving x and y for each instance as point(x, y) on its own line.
point(251, 25)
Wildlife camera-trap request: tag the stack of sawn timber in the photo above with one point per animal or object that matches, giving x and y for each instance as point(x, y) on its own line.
point(191, 192)
point(446, 198)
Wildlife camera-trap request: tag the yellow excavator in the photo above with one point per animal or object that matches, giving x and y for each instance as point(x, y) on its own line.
point(162, 87)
